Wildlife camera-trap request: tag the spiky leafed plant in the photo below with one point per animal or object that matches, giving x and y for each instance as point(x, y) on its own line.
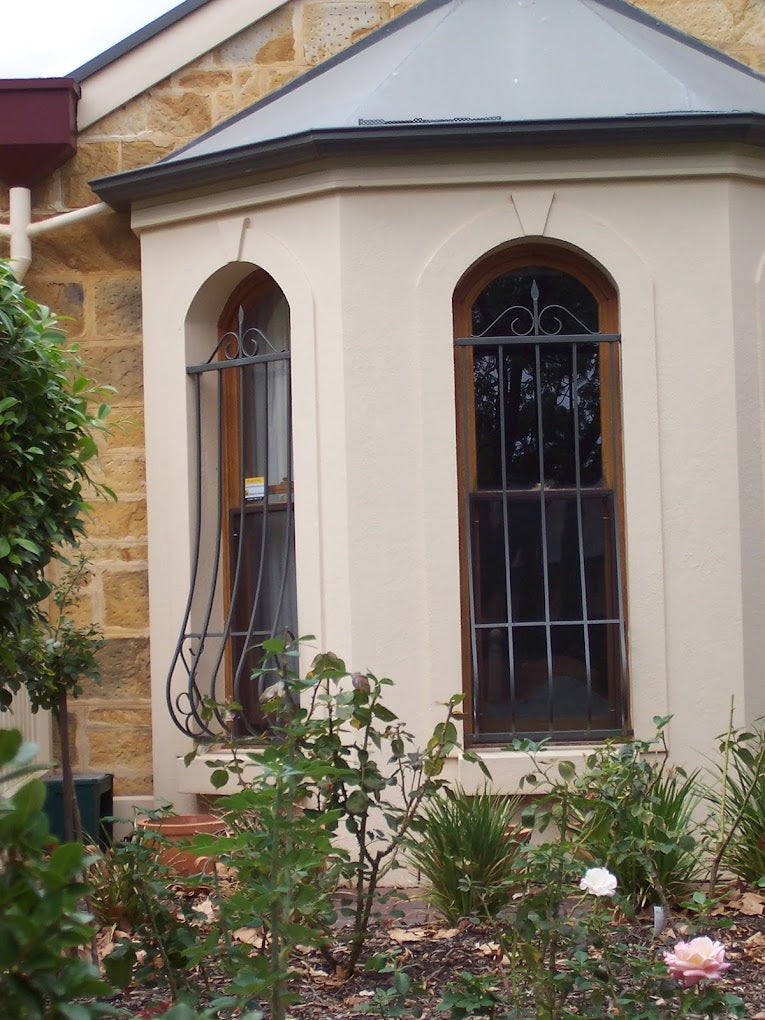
point(467, 852)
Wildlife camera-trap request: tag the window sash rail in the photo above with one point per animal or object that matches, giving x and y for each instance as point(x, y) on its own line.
point(523, 340)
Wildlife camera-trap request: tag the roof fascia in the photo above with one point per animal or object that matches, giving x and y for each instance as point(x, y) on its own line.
point(148, 56)
point(121, 190)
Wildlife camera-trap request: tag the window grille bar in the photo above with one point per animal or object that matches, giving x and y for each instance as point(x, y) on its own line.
point(287, 552)
point(597, 664)
point(536, 623)
point(207, 616)
point(469, 541)
point(617, 534)
point(243, 664)
point(214, 635)
point(580, 529)
point(527, 492)
point(235, 582)
point(528, 339)
point(543, 518)
point(217, 366)
point(506, 528)
point(175, 704)
point(494, 737)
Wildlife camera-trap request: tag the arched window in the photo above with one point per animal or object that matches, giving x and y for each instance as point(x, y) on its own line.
point(243, 568)
point(541, 510)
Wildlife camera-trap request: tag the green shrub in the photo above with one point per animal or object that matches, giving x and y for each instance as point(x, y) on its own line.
point(338, 760)
point(467, 852)
point(739, 798)
point(49, 413)
point(635, 816)
point(134, 891)
point(42, 923)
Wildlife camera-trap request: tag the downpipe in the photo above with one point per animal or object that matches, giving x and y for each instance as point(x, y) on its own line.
point(21, 230)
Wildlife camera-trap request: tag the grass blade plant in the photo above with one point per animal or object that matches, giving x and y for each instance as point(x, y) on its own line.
point(467, 851)
point(739, 798)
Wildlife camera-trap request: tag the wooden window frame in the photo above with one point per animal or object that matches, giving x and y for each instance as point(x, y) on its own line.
point(472, 284)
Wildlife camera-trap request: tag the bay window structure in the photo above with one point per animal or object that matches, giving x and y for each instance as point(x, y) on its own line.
point(243, 567)
point(541, 512)
point(610, 496)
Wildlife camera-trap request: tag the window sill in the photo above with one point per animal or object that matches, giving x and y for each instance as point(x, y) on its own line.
point(195, 777)
point(507, 768)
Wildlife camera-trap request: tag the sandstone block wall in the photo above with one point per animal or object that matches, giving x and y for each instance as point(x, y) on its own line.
point(91, 274)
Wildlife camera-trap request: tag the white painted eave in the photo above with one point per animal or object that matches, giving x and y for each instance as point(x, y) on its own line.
point(136, 69)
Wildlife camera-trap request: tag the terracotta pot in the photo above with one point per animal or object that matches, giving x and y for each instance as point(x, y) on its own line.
point(181, 829)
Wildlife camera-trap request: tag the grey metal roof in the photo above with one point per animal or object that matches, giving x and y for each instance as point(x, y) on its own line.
point(479, 67)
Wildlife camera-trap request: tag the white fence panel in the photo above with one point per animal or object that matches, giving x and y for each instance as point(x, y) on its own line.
point(34, 727)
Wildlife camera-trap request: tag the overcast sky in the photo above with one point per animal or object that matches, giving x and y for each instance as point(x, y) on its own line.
point(50, 38)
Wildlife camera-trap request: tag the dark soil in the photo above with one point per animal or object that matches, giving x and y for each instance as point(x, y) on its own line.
point(432, 955)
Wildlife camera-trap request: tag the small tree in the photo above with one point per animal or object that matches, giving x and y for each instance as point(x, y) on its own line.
point(49, 413)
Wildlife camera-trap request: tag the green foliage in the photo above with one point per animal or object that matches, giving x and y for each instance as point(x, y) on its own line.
point(573, 954)
point(133, 890)
point(627, 811)
point(471, 995)
point(467, 852)
point(739, 797)
point(637, 818)
point(42, 925)
point(49, 411)
point(396, 999)
point(338, 761)
point(54, 653)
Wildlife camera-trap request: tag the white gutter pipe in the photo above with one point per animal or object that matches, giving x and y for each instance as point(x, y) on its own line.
point(21, 230)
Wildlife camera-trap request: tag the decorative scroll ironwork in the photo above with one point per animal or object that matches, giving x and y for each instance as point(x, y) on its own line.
point(242, 586)
point(536, 315)
point(540, 421)
point(242, 345)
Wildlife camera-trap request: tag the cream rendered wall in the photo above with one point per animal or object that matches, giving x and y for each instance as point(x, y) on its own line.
point(369, 261)
point(747, 246)
point(199, 264)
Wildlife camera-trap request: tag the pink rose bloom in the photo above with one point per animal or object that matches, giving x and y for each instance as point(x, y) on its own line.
point(697, 959)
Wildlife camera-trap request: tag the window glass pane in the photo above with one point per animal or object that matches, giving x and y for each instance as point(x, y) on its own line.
point(266, 389)
point(599, 534)
point(486, 398)
point(557, 415)
point(526, 572)
point(521, 420)
point(563, 568)
point(589, 411)
point(606, 664)
point(488, 552)
point(494, 669)
point(531, 687)
point(504, 307)
point(570, 702)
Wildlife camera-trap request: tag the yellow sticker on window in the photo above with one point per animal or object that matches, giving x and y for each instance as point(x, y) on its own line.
point(254, 488)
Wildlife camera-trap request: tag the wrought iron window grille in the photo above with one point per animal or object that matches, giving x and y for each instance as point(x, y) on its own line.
point(518, 342)
point(242, 581)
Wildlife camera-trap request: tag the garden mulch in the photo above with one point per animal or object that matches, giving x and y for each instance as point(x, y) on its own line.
point(432, 954)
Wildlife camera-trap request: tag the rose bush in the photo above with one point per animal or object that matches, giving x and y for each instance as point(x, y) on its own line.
point(697, 959)
point(598, 882)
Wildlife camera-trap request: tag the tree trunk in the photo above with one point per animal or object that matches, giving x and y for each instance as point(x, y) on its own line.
point(67, 776)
